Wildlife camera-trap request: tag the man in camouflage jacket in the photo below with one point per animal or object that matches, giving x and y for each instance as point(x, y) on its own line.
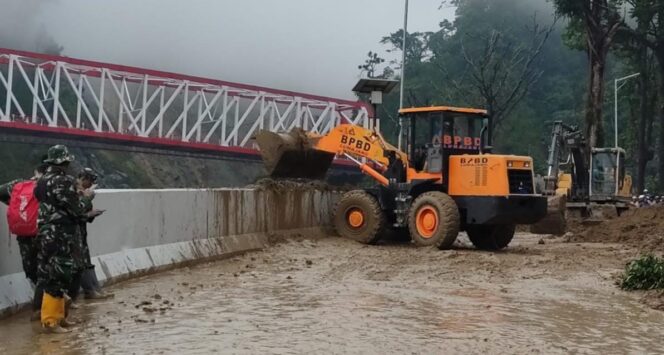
point(60, 211)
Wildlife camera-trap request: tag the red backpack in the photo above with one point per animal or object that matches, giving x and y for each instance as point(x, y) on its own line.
point(23, 210)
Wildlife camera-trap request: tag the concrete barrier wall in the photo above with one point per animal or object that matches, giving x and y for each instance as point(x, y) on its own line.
point(145, 230)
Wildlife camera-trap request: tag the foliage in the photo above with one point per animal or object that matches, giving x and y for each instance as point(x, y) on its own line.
point(574, 36)
point(417, 45)
point(371, 66)
point(455, 65)
point(593, 26)
point(645, 273)
point(647, 40)
point(502, 70)
point(505, 51)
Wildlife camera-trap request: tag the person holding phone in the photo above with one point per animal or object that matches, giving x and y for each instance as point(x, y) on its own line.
point(86, 278)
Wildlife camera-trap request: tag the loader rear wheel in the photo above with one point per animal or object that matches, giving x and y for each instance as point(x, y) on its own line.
point(491, 237)
point(434, 219)
point(358, 216)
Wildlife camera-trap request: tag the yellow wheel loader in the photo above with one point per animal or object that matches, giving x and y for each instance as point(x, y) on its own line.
point(445, 182)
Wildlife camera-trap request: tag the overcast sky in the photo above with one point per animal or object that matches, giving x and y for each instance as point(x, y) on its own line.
point(311, 46)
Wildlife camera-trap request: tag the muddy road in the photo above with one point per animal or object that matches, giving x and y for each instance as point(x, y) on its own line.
point(329, 295)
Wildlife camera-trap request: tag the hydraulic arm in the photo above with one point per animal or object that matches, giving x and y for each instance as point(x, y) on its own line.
point(306, 155)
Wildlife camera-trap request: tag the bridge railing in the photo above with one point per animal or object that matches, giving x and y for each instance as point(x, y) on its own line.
point(57, 91)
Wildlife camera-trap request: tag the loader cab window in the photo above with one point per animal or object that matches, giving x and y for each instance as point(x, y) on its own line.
point(462, 132)
point(426, 127)
point(426, 130)
point(454, 132)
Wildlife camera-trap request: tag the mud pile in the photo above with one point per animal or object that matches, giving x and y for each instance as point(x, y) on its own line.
point(654, 299)
point(642, 228)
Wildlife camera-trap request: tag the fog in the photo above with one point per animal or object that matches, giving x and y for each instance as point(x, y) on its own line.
point(312, 46)
point(21, 27)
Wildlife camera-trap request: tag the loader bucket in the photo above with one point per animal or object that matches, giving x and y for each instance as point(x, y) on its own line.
point(554, 222)
point(290, 155)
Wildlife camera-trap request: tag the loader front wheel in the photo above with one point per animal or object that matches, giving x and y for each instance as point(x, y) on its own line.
point(358, 216)
point(491, 237)
point(433, 220)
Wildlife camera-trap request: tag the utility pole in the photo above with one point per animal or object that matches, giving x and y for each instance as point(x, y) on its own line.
point(403, 70)
point(615, 100)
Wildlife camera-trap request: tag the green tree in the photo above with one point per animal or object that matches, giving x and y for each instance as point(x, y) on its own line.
point(417, 43)
point(371, 66)
point(506, 28)
point(502, 70)
point(490, 55)
point(638, 57)
point(649, 37)
point(596, 23)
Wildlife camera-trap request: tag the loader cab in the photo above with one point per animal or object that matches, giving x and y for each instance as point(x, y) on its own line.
point(436, 133)
point(607, 173)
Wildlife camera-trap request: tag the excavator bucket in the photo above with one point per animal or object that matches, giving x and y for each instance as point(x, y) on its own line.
point(554, 222)
point(292, 155)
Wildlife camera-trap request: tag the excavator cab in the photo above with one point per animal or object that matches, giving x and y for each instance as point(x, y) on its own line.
point(607, 174)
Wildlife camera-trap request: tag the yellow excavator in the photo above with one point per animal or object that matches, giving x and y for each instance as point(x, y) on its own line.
point(446, 181)
point(587, 190)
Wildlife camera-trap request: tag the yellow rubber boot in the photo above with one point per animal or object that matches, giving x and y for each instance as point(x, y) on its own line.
point(52, 313)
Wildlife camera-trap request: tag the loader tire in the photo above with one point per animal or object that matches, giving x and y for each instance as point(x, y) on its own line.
point(358, 216)
point(433, 220)
point(491, 237)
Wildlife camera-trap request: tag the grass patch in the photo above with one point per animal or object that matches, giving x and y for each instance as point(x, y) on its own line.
point(645, 273)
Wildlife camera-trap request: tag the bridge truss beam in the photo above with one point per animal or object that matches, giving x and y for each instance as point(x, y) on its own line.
point(54, 91)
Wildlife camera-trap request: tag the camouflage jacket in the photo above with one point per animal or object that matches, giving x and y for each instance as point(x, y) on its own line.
point(59, 202)
point(6, 191)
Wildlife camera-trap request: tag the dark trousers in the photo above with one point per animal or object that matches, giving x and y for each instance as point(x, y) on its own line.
point(87, 280)
point(37, 298)
point(75, 286)
point(29, 247)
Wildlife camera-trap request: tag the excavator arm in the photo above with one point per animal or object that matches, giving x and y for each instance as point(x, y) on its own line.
point(566, 141)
